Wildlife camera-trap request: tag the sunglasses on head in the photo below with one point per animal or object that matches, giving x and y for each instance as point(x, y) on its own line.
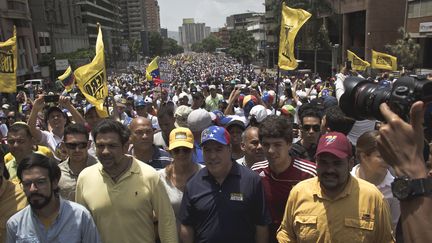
point(74, 145)
point(315, 128)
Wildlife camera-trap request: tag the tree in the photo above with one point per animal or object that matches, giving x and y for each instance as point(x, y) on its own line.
point(242, 45)
point(170, 47)
point(134, 48)
point(197, 47)
point(155, 44)
point(405, 49)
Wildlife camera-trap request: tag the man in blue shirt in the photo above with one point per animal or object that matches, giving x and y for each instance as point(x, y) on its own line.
point(48, 218)
point(223, 202)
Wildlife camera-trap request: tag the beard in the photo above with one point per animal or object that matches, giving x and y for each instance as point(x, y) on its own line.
point(39, 203)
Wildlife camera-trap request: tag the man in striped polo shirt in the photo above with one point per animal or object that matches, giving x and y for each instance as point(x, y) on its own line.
point(280, 172)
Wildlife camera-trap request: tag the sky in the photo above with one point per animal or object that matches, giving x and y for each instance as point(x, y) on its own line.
point(211, 12)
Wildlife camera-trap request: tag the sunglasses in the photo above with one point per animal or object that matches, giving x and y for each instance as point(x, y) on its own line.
point(74, 145)
point(181, 149)
point(315, 128)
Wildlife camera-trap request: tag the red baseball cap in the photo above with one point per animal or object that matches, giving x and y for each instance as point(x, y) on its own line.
point(335, 143)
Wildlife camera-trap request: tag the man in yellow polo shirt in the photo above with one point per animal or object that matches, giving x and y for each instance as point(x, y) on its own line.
point(124, 195)
point(21, 144)
point(335, 207)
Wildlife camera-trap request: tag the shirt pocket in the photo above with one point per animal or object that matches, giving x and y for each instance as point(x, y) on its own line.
point(359, 230)
point(306, 228)
point(28, 239)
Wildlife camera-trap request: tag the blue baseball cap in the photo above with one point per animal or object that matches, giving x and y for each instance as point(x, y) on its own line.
point(215, 133)
point(139, 103)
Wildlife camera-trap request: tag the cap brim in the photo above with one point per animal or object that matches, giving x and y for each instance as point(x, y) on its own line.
point(213, 139)
point(337, 153)
point(180, 144)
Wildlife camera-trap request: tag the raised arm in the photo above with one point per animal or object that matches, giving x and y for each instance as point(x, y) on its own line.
point(401, 145)
point(38, 105)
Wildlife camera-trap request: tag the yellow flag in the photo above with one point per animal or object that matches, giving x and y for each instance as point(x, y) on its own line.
point(357, 63)
point(292, 21)
point(91, 78)
point(383, 61)
point(67, 79)
point(8, 64)
point(152, 71)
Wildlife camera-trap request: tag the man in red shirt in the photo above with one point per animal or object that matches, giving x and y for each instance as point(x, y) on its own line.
point(280, 172)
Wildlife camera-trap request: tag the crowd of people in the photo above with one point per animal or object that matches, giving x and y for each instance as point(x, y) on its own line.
point(220, 153)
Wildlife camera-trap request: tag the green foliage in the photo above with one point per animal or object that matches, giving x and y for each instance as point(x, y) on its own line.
point(78, 54)
point(208, 44)
point(405, 49)
point(134, 46)
point(155, 44)
point(160, 46)
point(170, 47)
point(242, 45)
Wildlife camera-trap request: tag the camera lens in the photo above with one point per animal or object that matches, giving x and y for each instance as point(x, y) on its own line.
point(362, 98)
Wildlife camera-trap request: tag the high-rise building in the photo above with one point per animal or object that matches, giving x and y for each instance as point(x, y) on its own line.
point(133, 18)
point(17, 12)
point(191, 32)
point(152, 15)
point(58, 26)
point(107, 13)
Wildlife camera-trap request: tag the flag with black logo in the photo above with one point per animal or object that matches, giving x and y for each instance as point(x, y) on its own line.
point(8, 64)
point(291, 22)
point(383, 61)
point(357, 63)
point(91, 79)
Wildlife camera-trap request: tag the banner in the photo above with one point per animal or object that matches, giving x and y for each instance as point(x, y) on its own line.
point(152, 71)
point(67, 79)
point(291, 22)
point(91, 78)
point(357, 63)
point(8, 64)
point(383, 61)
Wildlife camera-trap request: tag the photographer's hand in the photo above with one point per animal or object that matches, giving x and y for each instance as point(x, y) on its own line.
point(401, 143)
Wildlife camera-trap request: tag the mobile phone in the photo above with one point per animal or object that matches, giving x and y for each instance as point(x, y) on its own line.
point(51, 98)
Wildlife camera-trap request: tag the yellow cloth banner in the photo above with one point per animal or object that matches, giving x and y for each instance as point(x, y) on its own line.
point(8, 64)
point(67, 79)
point(292, 21)
point(357, 63)
point(91, 78)
point(383, 61)
point(152, 71)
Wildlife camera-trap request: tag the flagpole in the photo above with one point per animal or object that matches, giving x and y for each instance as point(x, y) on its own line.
point(278, 69)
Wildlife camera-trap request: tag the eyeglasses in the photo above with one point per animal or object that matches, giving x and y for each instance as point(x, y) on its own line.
point(181, 149)
point(39, 183)
point(74, 145)
point(315, 128)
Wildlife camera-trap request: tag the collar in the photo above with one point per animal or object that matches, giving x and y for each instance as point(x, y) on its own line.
point(133, 169)
point(388, 179)
point(317, 190)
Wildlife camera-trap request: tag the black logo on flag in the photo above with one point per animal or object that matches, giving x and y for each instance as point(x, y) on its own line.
point(94, 86)
point(6, 62)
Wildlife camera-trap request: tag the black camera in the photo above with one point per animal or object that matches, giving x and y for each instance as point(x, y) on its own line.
point(362, 98)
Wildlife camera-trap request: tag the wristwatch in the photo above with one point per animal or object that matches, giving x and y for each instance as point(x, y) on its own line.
point(404, 188)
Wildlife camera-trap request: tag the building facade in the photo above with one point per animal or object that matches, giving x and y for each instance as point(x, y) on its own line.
point(133, 18)
point(152, 15)
point(17, 12)
point(419, 25)
point(191, 32)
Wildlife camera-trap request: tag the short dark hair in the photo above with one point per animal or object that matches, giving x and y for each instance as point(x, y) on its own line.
point(337, 121)
point(20, 126)
point(75, 128)
point(309, 110)
point(108, 126)
point(166, 110)
point(276, 127)
point(35, 159)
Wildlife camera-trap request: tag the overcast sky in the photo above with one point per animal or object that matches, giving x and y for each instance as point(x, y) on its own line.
point(211, 12)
